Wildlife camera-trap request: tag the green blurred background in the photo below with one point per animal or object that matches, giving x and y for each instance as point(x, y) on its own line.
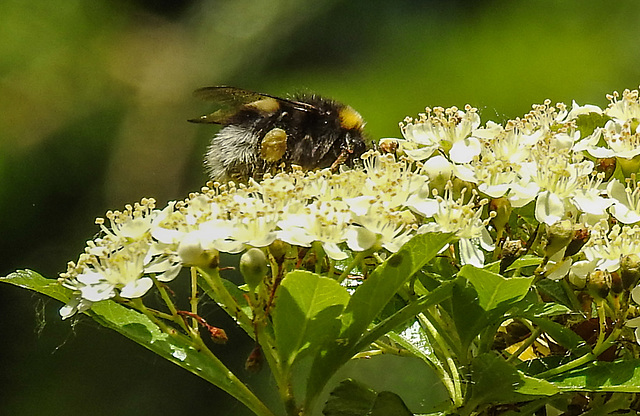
point(93, 101)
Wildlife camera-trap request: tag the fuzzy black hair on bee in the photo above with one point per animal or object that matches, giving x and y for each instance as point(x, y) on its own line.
point(266, 134)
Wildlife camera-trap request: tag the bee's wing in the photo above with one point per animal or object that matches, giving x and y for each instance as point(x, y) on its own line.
point(230, 100)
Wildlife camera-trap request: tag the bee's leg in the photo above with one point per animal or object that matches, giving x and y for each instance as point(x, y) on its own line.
point(344, 155)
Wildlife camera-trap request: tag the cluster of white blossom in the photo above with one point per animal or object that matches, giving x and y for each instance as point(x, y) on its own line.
point(544, 158)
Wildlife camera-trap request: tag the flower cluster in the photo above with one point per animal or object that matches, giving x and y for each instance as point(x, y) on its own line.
point(573, 166)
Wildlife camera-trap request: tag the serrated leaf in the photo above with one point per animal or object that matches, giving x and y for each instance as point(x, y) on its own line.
point(562, 335)
point(238, 301)
point(374, 293)
point(554, 290)
point(494, 289)
point(31, 280)
point(619, 376)
point(306, 313)
point(388, 403)
point(540, 310)
point(496, 381)
point(351, 398)
point(368, 301)
point(139, 328)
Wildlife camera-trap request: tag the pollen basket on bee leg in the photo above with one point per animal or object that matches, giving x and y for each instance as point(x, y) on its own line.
point(273, 145)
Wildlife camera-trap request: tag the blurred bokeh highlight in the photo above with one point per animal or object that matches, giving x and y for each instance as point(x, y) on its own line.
point(94, 98)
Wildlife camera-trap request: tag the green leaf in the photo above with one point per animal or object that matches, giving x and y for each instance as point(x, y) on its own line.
point(496, 381)
point(562, 335)
point(554, 290)
point(494, 289)
point(403, 315)
point(533, 310)
point(306, 313)
point(136, 326)
point(236, 307)
point(31, 280)
point(351, 398)
point(388, 403)
point(368, 301)
point(524, 262)
point(371, 297)
point(618, 376)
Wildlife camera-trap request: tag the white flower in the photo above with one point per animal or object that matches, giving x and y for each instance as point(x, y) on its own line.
point(559, 179)
point(324, 222)
point(626, 109)
point(102, 277)
point(449, 129)
point(605, 248)
point(388, 181)
point(378, 227)
point(626, 201)
point(464, 220)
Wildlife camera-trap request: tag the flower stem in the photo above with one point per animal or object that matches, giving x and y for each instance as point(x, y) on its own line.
point(450, 378)
point(356, 260)
point(194, 297)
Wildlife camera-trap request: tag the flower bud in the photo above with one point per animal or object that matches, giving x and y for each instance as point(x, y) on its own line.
point(559, 235)
point(439, 170)
point(630, 270)
point(278, 250)
point(511, 250)
point(253, 266)
point(255, 360)
point(598, 284)
point(616, 284)
point(502, 208)
point(192, 253)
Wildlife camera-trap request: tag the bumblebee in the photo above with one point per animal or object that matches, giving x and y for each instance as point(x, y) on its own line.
point(266, 134)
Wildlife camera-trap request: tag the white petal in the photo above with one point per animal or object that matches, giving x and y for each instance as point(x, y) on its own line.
point(470, 253)
point(635, 294)
point(229, 246)
point(623, 214)
point(333, 251)
point(98, 292)
point(591, 204)
point(465, 172)
point(421, 153)
point(170, 273)
point(136, 288)
point(582, 268)
point(633, 322)
point(70, 308)
point(296, 236)
point(464, 150)
point(486, 242)
point(360, 239)
point(425, 206)
point(165, 235)
point(549, 208)
point(561, 270)
point(90, 278)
